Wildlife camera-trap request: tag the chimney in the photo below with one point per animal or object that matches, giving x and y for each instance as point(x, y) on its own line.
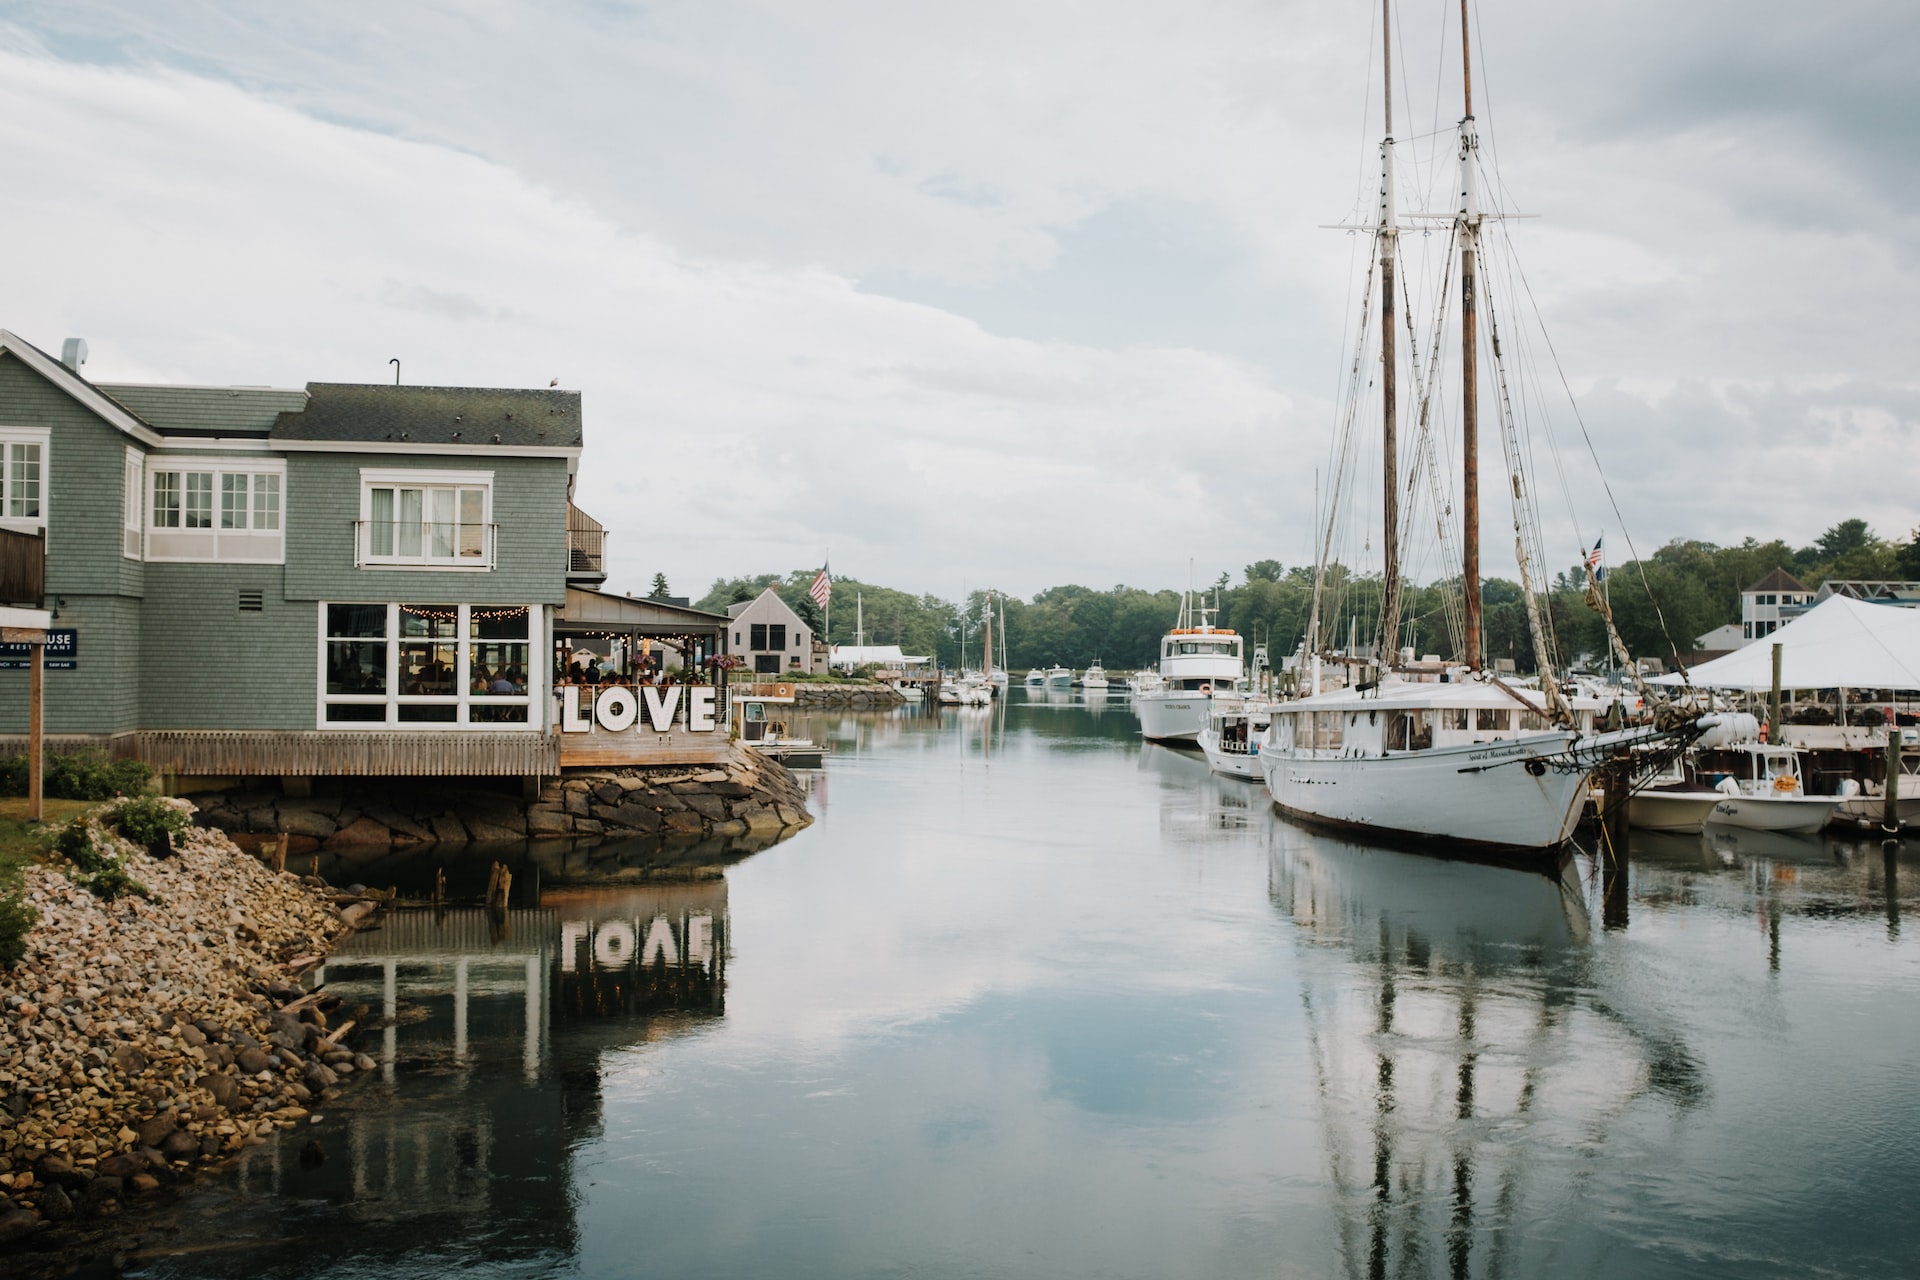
point(73, 353)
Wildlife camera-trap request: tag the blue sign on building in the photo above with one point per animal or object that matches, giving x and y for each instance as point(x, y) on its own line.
point(63, 652)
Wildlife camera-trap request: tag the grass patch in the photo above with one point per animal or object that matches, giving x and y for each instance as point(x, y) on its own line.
point(24, 841)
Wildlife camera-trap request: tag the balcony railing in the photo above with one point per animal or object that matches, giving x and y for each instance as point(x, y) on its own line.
point(586, 546)
point(23, 568)
point(435, 543)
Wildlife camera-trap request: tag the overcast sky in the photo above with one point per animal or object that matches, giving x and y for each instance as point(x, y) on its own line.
point(990, 294)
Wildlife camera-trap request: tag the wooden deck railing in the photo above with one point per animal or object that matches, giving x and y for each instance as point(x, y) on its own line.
point(23, 568)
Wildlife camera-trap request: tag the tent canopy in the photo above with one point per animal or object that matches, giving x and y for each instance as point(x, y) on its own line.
point(1840, 643)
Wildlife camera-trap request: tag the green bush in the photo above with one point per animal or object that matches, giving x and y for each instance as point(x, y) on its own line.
point(96, 869)
point(145, 819)
point(79, 775)
point(16, 917)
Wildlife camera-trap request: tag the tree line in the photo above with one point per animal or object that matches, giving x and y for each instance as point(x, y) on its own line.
point(1660, 605)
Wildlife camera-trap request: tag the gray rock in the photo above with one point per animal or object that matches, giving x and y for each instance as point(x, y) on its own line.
point(153, 1132)
point(546, 820)
point(710, 807)
point(56, 1204)
point(588, 826)
point(16, 1223)
point(122, 1165)
point(57, 1169)
point(638, 817)
point(192, 1036)
point(129, 1061)
point(448, 829)
point(574, 802)
point(302, 821)
point(361, 1062)
point(180, 1145)
point(610, 793)
point(251, 1061)
point(318, 1078)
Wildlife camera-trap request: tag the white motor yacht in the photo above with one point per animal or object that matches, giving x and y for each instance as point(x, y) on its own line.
point(1095, 679)
point(1197, 663)
point(1059, 677)
point(1036, 678)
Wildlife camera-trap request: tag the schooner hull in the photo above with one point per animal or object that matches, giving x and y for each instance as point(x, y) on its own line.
point(1480, 798)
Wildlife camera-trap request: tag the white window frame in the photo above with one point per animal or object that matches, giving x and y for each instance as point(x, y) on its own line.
point(372, 478)
point(10, 436)
point(535, 699)
point(133, 504)
point(242, 544)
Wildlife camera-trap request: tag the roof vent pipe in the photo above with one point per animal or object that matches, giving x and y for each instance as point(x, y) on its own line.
point(73, 353)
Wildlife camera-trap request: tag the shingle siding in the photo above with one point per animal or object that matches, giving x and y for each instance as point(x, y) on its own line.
point(529, 507)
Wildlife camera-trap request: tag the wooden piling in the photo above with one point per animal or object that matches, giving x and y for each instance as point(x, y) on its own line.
point(1773, 704)
point(1890, 805)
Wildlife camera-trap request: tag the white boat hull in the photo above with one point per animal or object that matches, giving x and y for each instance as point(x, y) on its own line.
point(1768, 813)
point(1172, 717)
point(1873, 809)
point(1234, 764)
point(1431, 795)
point(1684, 811)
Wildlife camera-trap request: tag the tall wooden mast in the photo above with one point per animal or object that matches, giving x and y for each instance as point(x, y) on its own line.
point(1468, 217)
point(1388, 237)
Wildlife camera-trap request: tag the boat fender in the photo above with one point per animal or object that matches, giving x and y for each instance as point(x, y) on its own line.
point(1727, 787)
point(1849, 787)
point(1786, 782)
point(1206, 689)
point(1536, 767)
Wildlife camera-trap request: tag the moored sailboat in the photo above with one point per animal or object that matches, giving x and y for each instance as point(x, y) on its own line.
point(1466, 760)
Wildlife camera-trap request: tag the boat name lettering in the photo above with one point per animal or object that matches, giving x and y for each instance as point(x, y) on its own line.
point(1497, 753)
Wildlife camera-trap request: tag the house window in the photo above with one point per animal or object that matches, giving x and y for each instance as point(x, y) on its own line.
point(758, 630)
point(23, 478)
point(406, 665)
point(426, 519)
point(131, 487)
point(766, 664)
point(228, 512)
point(777, 635)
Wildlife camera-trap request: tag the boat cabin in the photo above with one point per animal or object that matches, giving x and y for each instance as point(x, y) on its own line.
point(1417, 718)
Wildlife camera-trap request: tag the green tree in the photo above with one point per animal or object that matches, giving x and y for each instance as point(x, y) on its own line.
point(660, 588)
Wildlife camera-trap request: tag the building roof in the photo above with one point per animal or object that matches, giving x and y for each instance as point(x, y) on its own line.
point(1839, 643)
point(1884, 590)
point(1779, 580)
point(76, 386)
point(207, 411)
point(602, 608)
point(461, 417)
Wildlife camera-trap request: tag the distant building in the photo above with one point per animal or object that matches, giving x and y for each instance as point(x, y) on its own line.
point(771, 636)
point(1904, 594)
point(1761, 603)
point(1721, 639)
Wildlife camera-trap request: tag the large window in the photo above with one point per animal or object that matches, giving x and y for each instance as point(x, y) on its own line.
point(228, 510)
point(413, 519)
point(23, 479)
point(401, 665)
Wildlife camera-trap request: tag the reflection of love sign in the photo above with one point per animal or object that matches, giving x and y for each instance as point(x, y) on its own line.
point(617, 708)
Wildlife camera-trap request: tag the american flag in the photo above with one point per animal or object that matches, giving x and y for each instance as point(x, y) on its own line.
point(1595, 561)
point(822, 588)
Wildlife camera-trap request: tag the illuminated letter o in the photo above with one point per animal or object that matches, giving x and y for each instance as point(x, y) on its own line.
point(615, 709)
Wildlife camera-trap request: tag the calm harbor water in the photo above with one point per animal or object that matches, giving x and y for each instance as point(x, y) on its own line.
point(1032, 998)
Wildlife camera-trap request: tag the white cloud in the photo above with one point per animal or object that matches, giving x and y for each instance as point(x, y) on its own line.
point(1008, 294)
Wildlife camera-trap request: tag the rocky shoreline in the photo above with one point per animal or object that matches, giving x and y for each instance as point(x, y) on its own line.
point(749, 793)
point(865, 696)
point(145, 1034)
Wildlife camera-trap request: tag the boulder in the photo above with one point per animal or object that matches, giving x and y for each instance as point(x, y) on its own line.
point(548, 820)
point(637, 817)
point(251, 1061)
point(710, 807)
point(362, 832)
point(304, 821)
point(56, 1204)
point(154, 1131)
point(124, 1165)
point(141, 1183)
point(16, 1223)
point(685, 822)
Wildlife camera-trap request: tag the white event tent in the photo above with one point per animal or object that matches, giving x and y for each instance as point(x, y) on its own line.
point(1840, 643)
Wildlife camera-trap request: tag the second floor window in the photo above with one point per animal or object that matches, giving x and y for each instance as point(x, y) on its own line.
point(23, 479)
point(432, 521)
point(223, 512)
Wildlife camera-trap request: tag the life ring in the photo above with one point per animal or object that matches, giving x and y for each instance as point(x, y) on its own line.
point(1786, 782)
point(1206, 689)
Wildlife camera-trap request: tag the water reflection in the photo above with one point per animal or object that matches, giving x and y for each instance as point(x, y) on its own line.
point(491, 1033)
point(1460, 1050)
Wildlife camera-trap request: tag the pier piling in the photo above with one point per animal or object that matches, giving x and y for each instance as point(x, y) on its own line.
point(1890, 806)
